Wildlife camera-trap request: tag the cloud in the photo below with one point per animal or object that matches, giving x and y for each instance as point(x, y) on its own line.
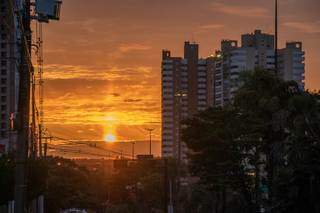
point(129, 100)
point(133, 47)
point(87, 101)
point(245, 11)
point(211, 27)
point(115, 94)
point(306, 27)
point(208, 28)
point(115, 73)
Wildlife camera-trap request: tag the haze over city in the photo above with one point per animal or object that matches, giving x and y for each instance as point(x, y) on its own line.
point(159, 106)
point(102, 60)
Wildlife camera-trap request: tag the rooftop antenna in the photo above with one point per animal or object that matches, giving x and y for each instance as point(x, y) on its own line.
point(276, 38)
point(193, 40)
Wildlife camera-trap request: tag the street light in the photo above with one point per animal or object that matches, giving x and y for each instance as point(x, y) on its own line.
point(150, 130)
point(179, 96)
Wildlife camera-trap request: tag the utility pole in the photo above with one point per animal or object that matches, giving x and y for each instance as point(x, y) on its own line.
point(179, 97)
point(45, 145)
point(166, 187)
point(23, 112)
point(25, 69)
point(34, 150)
point(150, 130)
point(276, 39)
point(133, 154)
point(39, 45)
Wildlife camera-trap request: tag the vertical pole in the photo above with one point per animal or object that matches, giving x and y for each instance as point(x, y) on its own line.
point(150, 139)
point(33, 127)
point(133, 155)
point(41, 204)
point(41, 85)
point(150, 145)
point(23, 114)
point(45, 148)
point(170, 207)
point(166, 206)
point(179, 152)
point(40, 140)
point(276, 39)
point(12, 127)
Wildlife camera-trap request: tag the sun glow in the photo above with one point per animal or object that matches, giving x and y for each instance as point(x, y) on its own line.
point(110, 119)
point(110, 128)
point(110, 138)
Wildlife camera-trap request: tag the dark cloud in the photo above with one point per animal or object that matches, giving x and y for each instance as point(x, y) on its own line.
point(116, 94)
point(132, 100)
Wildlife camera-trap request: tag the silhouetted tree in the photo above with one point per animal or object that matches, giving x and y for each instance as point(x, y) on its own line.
point(265, 139)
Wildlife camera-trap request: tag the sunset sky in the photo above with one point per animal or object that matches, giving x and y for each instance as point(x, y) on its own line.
point(102, 59)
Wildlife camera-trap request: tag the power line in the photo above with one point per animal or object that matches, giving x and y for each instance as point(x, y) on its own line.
point(79, 151)
point(75, 142)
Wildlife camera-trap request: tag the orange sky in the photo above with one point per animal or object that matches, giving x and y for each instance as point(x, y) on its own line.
point(103, 57)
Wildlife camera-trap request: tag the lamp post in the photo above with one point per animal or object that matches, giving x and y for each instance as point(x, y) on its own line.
point(179, 96)
point(276, 38)
point(150, 130)
point(133, 154)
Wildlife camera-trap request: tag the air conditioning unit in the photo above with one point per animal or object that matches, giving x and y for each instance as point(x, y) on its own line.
point(48, 10)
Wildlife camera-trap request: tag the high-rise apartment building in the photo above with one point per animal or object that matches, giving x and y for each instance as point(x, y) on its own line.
point(291, 63)
point(9, 77)
point(187, 87)
point(191, 84)
point(256, 51)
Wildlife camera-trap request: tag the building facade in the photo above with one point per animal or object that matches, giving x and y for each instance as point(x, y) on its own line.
point(291, 63)
point(9, 75)
point(256, 51)
point(191, 84)
point(187, 88)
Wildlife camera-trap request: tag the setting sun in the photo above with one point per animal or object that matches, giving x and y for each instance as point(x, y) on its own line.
point(110, 138)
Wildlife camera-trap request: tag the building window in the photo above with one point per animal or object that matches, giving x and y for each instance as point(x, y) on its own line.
point(3, 63)
point(3, 36)
point(3, 134)
point(3, 98)
point(3, 72)
point(3, 45)
point(3, 107)
point(3, 80)
point(4, 54)
point(3, 89)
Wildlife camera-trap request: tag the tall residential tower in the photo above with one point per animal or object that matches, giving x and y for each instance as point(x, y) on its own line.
point(187, 87)
point(191, 84)
point(256, 51)
point(291, 63)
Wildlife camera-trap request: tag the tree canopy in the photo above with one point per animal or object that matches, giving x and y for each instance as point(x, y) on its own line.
point(263, 148)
